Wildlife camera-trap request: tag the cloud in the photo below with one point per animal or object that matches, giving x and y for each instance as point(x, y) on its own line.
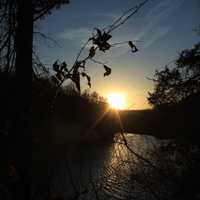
point(79, 35)
point(154, 27)
point(159, 33)
point(109, 16)
point(154, 21)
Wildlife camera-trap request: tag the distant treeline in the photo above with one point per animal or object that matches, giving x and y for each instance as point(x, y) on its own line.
point(179, 121)
point(48, 99)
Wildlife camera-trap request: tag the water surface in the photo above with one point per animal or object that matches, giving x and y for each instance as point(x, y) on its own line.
point(121, 169)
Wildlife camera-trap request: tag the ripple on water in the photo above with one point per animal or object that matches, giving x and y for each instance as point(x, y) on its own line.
point(110, 171)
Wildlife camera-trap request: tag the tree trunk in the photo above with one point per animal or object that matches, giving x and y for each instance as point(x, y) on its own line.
point(22, 132)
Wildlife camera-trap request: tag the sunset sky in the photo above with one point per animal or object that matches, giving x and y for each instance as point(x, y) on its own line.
point(165, 27)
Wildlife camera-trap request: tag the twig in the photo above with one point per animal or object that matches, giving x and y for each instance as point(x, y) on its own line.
point(47, 38)
point(120, 21)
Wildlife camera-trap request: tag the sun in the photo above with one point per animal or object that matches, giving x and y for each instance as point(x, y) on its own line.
point(116, 101)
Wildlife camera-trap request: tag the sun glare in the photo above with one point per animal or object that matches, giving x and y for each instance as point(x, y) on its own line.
point(116, 101)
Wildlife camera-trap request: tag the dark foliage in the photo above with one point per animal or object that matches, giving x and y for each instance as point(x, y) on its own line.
point(67, 103)
point(172, 86)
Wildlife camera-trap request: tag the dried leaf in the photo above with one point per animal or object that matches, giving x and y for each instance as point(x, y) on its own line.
point(76, 79)
point(88, 78)
point(92, 52)
point(108, 70)
point(104, 46)
point(56, 67)
point(99, 33)
point(101, 40)
point(106, 37)
point(132, 46)
point(64, 67)
point(130, 43)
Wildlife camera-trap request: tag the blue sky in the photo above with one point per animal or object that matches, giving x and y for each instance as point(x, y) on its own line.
point(165, 27)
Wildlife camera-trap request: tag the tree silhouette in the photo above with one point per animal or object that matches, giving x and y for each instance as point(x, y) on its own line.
point(10, 11)
point(173, 85)
point(17, 19)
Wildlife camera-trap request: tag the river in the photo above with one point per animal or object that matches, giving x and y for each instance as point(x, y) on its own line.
point(130, 167)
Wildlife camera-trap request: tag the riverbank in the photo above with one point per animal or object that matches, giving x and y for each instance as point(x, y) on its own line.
point(180, 124)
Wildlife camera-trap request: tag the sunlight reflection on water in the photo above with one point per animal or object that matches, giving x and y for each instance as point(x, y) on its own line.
point(111, 170)
point(121, 163)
